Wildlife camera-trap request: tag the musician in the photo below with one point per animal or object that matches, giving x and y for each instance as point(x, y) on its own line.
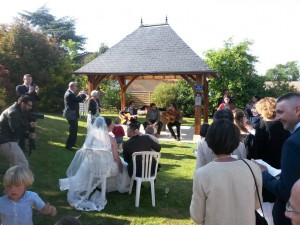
point(129, 115)
point(153, 118)
point(174, 118)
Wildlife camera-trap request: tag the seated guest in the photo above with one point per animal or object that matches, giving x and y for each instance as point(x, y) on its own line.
point(129, 115)
point(137, 143)
point(224, 191)
point(174, 118)
point(153, 118)
point(206, 155)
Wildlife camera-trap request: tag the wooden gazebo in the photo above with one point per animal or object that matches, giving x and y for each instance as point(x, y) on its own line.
point(152, 52)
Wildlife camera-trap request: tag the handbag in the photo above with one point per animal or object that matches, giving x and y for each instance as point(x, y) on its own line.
point(259, 220)
point(69, 114)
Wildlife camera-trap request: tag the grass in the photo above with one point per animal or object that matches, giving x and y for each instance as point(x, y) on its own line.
point(51, 160)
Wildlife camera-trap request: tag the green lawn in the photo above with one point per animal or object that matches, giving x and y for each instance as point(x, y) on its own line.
point(51, 160)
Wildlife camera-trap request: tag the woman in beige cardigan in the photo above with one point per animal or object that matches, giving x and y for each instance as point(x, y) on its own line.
point(224, 190)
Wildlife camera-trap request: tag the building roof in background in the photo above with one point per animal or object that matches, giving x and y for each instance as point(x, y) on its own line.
point(149, 50)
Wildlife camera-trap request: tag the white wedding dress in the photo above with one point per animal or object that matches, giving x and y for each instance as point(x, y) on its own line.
point(93, 167)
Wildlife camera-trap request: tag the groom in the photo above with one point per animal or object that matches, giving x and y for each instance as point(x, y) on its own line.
point(137, 143)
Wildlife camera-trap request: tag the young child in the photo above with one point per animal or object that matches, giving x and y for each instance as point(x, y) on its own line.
point(118, 131)
point(17, 203)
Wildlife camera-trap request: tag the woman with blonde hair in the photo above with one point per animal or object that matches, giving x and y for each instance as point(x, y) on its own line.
point(270, 134)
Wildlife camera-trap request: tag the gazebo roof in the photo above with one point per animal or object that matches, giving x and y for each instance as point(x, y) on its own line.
point(150, 52)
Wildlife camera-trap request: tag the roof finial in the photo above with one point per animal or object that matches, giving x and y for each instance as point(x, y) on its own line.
point(142, 22)
point(166, 19)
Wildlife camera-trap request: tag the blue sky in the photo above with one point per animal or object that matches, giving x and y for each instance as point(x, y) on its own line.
point(273, 25)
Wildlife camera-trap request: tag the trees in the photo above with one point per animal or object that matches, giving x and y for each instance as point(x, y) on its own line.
point(61, 29)
point(284, 72)
point(235, 65)
point(24, 50)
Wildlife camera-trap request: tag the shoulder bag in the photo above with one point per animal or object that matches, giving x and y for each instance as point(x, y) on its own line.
point(260, 220)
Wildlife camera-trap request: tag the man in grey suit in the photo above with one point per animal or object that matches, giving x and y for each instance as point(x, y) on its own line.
point(288, 112)
point(72, 103)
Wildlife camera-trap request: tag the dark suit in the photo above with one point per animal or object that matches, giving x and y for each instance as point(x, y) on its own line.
point(72, 103)
point(290, 173)
point(137, 144)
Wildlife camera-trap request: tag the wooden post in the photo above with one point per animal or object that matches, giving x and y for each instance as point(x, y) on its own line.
point(198, 108)
point(205, 100)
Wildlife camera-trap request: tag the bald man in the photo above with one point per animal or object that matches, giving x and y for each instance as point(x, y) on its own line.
point(72, 103)
point(293, 206)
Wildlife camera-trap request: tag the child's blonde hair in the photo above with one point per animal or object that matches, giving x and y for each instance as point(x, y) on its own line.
point(17, 175)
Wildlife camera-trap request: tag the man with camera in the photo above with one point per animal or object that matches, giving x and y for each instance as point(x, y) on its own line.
point(14, 123)
point(71, 112)
point(27, 88)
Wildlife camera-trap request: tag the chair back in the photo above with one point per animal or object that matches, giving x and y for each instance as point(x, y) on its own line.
point(147, 157)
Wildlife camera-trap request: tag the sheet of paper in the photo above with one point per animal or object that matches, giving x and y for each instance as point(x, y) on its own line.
point(273, 171)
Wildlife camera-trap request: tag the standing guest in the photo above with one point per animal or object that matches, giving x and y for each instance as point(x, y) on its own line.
point(292, 210)
point(226, 104)
point(153, 118)
point(226, 180)
point(72, 103)
point(205, 154)
point(93, 108)
point(14, 124)
point(129, 115)
point(119, 132)
point(247, 137)
point(287, 112)
point(27, 88)
point(270, 134)
point(225, 93)
point(174, 118)
point(203, 130)
point(17, 203)
point(137, 143)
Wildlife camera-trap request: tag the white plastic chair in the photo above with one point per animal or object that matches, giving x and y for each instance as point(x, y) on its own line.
point(147, 158)
point(101, 162)
point(83, 110)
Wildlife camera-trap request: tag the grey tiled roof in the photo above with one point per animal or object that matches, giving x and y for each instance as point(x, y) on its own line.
point(155, 49)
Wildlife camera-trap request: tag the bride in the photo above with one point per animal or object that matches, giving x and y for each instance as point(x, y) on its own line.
point(96, 164)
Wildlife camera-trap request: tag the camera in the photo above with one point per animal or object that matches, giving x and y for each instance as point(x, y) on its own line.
point(36, 115)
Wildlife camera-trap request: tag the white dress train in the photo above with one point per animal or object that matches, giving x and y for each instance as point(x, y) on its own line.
point(93, 172)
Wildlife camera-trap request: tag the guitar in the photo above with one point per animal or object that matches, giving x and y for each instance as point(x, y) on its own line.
point(170, 118)
point(127, 117)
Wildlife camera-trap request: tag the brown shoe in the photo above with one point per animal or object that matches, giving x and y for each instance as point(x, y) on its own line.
point(178, 138)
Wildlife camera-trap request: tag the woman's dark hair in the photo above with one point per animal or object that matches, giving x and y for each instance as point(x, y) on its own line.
point(108, 121)
point(203, 129)
point(223, 137)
